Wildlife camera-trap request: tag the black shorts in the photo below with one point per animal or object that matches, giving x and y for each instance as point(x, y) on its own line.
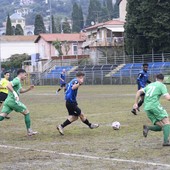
point(3, 96)
point(63, 85)
point(73, 109)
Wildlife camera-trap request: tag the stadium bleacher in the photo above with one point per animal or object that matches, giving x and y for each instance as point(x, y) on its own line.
point(55, 73)
point(133, 69)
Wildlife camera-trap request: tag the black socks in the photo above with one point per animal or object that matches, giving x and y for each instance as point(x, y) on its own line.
point(87, 123)
point(66, 123)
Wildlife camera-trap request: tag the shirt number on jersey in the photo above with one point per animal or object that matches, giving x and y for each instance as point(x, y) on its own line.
point(150, 91)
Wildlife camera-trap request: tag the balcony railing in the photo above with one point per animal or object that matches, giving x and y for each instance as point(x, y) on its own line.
point(109, 41)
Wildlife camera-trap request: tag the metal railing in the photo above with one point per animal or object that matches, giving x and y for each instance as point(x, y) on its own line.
point(101, 77)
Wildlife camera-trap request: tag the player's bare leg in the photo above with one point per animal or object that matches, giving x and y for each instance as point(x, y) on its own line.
point(30, 132)
point(85, 121)
point(57, 92)
point(69, 120)
point(2, 116)
point(7, 116)
point(134, 111)
point(166, 131)
point(157, 127)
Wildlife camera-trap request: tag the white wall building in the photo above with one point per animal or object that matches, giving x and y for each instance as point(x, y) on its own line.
point(10, 45)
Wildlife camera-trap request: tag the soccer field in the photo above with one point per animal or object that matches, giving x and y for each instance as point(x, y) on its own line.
point(81, 147)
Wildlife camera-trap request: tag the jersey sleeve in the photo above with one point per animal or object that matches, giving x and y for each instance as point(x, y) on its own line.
point(1, 82)
point(15, 82)
point(75, 82)
point(164, 90)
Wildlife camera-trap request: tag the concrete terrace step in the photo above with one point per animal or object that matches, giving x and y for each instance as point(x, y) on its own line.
point(115, 70)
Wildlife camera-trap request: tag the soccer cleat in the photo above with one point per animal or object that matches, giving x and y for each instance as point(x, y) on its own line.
point(60, 129)
point(145, 131)
point(56, 93)
point(93, 126)
point(134, 111)
point(30, 132)
point(166, 143)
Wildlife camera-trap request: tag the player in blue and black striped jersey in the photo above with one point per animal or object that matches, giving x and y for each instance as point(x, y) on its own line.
point(142, 81)
point(62, 81)
point(72, 105)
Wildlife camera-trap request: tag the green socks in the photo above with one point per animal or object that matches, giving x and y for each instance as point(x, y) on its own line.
point(155, 128)
point(166, 131)
point(27, 121)
point(1, 118)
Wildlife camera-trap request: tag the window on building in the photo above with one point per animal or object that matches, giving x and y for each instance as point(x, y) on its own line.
point(75, 49)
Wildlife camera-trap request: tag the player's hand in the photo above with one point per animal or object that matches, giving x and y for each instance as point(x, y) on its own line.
point(31, 87)
point(135, 106)
point(16, 96)
point(81, 81)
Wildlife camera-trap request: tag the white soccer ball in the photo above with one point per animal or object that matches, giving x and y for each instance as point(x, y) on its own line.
point(116, 125)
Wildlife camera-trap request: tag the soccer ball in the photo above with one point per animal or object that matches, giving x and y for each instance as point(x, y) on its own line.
point(116, 125)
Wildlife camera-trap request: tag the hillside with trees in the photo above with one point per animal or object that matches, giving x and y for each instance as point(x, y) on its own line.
point(62, 8)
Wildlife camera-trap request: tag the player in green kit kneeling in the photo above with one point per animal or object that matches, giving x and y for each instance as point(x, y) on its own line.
point(13, 103)
point(155, 112)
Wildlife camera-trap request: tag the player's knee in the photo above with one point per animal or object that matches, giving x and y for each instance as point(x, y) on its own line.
point(82, 117)
point(25, 112)
point(165, 121)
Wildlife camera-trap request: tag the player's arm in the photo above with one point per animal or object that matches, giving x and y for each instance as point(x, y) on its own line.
point(167, 97)
point(148, 81)
point(138, 94)
point(26, 90)
point(2, 85)
point(10, 88)
point(139, 80)
point(76, 86)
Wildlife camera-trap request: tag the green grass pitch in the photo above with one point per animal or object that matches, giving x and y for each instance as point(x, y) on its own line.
point(81, 147)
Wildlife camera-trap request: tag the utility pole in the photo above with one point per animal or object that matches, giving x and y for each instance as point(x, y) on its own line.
point(50, 12)
point(51, 30)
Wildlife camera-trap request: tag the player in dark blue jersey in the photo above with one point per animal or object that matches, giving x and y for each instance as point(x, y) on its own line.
point(62, 81)
point(72, 105)
point(142, 81)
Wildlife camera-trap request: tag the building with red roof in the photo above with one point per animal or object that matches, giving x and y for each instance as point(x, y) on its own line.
point(46, 49)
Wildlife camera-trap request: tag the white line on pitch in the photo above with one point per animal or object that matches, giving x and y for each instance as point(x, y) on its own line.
point(87, 156)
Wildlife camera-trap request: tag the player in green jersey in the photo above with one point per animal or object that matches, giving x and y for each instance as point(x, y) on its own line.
point(155, 112)
point(13, 103)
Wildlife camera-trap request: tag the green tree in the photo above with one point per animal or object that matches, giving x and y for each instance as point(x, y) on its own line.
point(15, 61)
point(54, 29)
point(9, 29)
point(77, 18)
point(110, 9)
point(81, 18)
point(66, 26)
point(58, 46)
point(116, 10)
point(104, 12)
point(94, 12)
point(39, 25)
point(19, 30)
point(147, 27)
point(58, 24)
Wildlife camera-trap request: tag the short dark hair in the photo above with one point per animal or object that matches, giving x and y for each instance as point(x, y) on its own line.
point(79, 74)
point(21, 71)
point(6, 72)
point(160, 76)
point(145, 64)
